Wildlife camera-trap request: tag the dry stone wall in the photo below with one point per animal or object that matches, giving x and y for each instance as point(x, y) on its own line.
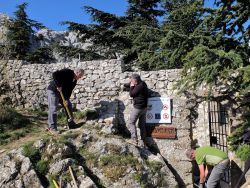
point(102, 88)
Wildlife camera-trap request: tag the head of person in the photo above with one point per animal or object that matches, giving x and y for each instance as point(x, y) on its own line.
point(190, 153)
point(135, 79)
point(78, 73)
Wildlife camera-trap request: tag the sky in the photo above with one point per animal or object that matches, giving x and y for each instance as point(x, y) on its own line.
point(51, 12)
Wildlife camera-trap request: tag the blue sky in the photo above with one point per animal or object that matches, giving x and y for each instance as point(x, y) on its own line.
point(51, 12)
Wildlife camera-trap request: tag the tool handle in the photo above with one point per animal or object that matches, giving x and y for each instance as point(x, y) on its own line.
point(72, 176)
point(55, 184)
point(66, 107)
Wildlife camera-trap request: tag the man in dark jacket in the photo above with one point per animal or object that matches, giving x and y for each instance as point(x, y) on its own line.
point(139, 92)
point(63, 80)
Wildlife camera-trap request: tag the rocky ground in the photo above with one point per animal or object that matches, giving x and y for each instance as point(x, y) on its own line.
point(98, 156)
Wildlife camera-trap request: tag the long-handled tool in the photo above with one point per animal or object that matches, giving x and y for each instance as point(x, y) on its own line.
point(72, 176)
point(66, 107)
point(55, 184)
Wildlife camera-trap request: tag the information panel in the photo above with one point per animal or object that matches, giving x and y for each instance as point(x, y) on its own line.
point(159, 110)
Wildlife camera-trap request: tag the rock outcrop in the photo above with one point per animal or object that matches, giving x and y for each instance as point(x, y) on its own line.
point(97, 159)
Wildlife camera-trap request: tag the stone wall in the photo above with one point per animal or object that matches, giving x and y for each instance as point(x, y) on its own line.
point(102, 89)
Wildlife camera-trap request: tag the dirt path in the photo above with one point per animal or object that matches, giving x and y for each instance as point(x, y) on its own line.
point(38, 125)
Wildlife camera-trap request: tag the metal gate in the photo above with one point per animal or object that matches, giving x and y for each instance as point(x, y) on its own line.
point(219, 129)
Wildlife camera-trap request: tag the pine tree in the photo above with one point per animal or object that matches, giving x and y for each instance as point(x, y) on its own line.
point(20, 29)
point(169, 42)
point(125, 36)
point(221, 56)
point(142, 30)
point(101, 35)
point(183, 19)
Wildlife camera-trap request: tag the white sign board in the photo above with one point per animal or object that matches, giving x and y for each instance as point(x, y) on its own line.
point(159, 110)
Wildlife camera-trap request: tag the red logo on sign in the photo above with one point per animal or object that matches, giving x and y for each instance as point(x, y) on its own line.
point(165, 107)
point(165, 116)
point(150, 116)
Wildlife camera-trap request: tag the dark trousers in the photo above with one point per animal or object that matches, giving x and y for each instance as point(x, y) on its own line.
point(53, 102)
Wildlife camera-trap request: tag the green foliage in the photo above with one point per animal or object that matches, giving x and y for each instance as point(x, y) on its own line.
point(19, 32)
point(51, 178)
point(10, 119)
point(31, 152)
point(140, 179)
point(67, 138)
point(114, 166)
point(155, 166)
point(61, 119)
point(79, 115)
point(219, 55)
point(232, 18)
point(236, 139)
point(42, 167)
point(206, 65)
point(91, 158)
point(73, 52)
point(243, 152)
point(113, 36)
point(118, 160)
point(41, 56)
point(13, 125)
point(38, 112)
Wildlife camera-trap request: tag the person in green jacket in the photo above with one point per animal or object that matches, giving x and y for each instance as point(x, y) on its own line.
point(211, 156)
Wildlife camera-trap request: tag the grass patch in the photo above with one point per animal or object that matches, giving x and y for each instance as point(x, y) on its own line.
point(10, 119)
point(31, 152)
point(51, 178)
point(138, 177)
point(113, 149)
point(155, 166)
point(115, 166)
point(127, 160)
point(71, 135)
point(91, 159)
point(79, 115)
point(88, 114)
point(13, 125)
point(114, 173)
point(42, 167)
point(66, 138)
point(38, 112)
point(61, 119)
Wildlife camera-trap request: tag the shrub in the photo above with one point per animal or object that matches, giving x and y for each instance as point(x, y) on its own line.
point(243, 152)
point(42, 167)
point(31, 152)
